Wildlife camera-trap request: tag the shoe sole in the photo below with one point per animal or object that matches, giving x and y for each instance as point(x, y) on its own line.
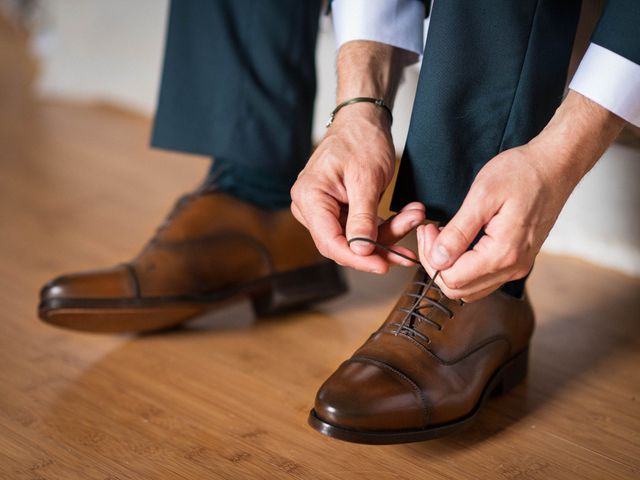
point(504, 379)
point(271, 295)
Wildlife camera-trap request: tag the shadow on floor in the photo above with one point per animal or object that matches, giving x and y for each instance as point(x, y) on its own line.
point(576, 339)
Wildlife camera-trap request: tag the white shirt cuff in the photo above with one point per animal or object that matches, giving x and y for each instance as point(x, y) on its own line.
point(610, 80)
point(395, 22)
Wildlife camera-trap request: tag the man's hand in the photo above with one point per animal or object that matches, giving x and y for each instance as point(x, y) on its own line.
point(515, 200)
point(336, 196)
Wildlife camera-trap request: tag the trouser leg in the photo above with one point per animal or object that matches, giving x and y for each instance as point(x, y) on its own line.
point(493, 74)
point(238, 84)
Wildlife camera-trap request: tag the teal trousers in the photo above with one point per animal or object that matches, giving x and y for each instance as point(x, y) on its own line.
point(238, 84)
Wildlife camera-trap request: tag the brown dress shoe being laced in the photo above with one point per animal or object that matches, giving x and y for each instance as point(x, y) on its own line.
point(428, 370)
point(212, 247)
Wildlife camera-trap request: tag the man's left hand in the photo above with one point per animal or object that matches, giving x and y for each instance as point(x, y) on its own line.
point(515, 201)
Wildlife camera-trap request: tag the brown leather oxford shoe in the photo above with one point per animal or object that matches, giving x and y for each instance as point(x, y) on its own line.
point(212, 247)
point(427, 371)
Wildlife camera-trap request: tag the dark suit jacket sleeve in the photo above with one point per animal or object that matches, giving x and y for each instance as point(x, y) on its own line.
point(619, 29)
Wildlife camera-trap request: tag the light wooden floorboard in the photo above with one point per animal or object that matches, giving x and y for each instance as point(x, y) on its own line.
point(228, 396)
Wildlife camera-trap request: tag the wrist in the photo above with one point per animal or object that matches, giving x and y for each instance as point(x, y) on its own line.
point(370, 100)
point(576, 137)
point(363, 113)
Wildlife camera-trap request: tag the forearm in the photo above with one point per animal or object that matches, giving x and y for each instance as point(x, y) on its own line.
point(580, 132)
point(370, 69)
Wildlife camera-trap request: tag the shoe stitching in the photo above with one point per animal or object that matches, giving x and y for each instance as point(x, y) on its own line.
point(476, 348)
point(204, 190)
point(412, 314)
point(426, 405)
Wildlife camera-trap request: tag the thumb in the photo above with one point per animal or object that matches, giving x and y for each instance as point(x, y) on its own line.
point(456, 237)
point(362, 220)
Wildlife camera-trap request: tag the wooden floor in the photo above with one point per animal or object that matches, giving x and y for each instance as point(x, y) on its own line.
point(228, 397)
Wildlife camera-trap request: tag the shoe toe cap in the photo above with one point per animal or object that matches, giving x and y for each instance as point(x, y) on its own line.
point(113, 282)
point(371, 396)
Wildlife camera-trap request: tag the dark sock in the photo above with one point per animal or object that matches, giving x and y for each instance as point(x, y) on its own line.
point(260, 188)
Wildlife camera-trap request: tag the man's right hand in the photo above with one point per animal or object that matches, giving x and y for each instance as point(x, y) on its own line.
point(336, 196)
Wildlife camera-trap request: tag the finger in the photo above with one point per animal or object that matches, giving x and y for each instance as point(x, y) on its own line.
point(339, 250)
point(414, 206)
point(481, 269)
point(362, 220)
point(477, 273)
point(394, 258)
point(471, 291)
point(321, 214)
point(497, 252)
point(426, 235)
point(398, 226)
point(297, 214)
point(481, 294)
point(457, 235)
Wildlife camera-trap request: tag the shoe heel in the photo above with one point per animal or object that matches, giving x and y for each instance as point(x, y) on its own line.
point(291, 290)
point(513, 372)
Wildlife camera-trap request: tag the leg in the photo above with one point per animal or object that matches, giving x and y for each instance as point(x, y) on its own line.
point(491, 79)
point(239, 84)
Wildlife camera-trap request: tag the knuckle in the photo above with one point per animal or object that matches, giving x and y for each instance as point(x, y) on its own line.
point(520, 273)
point(294, 211)
point(448, 292)
point(511, 257)
point(361, 220)
point(322, 249)
point(452, 281)
point(522, 270)
point(330, 251)
point(454, 294)
point(457, 238)
point(480, 188)
point(363, 217)
point(295, 192)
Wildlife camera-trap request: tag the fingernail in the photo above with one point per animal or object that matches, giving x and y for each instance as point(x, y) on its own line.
point(360, 247)
point(379, 272)
point(414, 223)
point(439, 256)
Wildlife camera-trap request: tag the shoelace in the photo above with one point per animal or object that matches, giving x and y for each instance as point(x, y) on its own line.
point(209, 185)
point(422, 301)
point(181, 203)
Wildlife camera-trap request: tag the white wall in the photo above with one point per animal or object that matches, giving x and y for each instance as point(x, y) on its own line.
point(92, 49)
point(600, 221)
point(106, 50)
